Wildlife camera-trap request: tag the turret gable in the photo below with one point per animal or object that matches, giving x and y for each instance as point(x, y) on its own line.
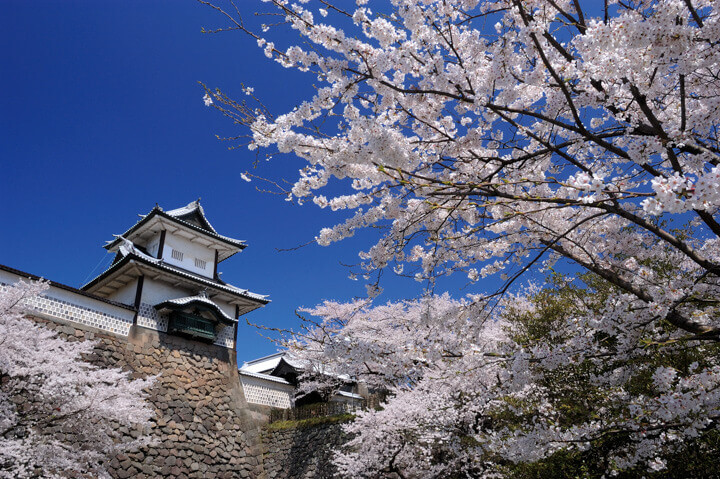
point(188, 222)
point(193, 213)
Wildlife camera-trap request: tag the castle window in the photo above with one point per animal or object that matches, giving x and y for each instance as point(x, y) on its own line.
point(178, 255)
point(193, 325)
point(199, 263)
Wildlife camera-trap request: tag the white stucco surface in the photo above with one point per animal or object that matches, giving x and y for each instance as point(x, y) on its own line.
point(266, 390)
point(153, 244)
point(58, 303)
point(228, 309)
point(191, 251)
point(155, 291)
point(125, 294)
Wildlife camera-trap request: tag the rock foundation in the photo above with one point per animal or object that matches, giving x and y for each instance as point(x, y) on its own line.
point(301, 453)
point(203, 427)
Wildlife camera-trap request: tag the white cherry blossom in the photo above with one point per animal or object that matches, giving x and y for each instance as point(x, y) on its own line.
point(494, 138)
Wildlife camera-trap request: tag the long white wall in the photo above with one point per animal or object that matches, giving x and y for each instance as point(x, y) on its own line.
point(75, 307)
point(58, 303)
point(268, 391)
point(155, 292)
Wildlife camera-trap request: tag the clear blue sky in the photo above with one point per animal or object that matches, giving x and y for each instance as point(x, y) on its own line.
point(101, 117)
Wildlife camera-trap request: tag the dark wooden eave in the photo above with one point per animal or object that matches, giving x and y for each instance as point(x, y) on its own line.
point(198, 280)
point(157, 212)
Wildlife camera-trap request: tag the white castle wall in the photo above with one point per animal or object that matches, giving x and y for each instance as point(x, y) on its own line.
point(155, 291)
point(190, 252)
point(228, 309)
point(266, 392)
point(148, 317)
point(152, 247)
point(226, 337)
point(125, 294)
point(57, 303)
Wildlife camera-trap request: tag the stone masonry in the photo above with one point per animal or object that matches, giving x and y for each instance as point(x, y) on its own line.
point(203, 428)
point(301, 453)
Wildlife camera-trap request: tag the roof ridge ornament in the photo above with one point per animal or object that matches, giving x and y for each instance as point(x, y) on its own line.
point(127, 247)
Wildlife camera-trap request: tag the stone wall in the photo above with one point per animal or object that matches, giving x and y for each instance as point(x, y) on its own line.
point(301, 452)
point(203, 428)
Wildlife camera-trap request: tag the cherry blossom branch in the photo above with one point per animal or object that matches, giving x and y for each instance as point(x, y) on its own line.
point(675, 318)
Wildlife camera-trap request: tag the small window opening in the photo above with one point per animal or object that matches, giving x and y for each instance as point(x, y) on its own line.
point(178, 255)
point(199, 263)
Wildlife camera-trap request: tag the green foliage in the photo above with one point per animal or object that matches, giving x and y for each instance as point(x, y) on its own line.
point(310, 422)
point(696, 459)
point(576, 399)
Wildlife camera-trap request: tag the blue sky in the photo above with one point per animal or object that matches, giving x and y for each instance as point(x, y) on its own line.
point(101, 117)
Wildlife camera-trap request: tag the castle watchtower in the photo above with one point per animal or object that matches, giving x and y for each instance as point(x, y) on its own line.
point(166, 267)
point(161, 309)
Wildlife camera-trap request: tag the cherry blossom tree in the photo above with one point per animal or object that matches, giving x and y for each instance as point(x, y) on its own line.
point(551, 133)
point(492, 138)
point(559, 383)
point(59, 415)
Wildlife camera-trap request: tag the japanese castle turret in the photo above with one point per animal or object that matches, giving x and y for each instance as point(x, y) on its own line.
point(166, 267)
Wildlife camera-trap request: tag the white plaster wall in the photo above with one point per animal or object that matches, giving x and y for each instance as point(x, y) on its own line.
point(265, 392)
point(155, 292)
point(148, 317)
point(126, 294)
point(228, 309)
point(224, 336)
point(58, 303)
point(153, 244)
point(190, 251)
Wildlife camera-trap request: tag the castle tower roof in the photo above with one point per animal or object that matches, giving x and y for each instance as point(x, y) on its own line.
point(188, 221)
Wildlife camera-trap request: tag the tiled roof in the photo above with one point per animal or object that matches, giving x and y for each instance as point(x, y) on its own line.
point(267, 377)
point(348, 395)
point(197, 299)
point(189, 209)
point(269, 363)
point(176, 215)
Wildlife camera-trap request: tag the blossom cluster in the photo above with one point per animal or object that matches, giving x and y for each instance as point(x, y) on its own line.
point(492, 138)
point(72, 427)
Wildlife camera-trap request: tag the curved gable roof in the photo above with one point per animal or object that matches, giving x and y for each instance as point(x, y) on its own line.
point(181, 304)
point(191, 216)
point(193, 213)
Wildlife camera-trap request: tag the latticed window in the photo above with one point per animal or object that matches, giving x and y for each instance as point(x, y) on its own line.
point(200, 263)
point(178, 255)
point(191, 325)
